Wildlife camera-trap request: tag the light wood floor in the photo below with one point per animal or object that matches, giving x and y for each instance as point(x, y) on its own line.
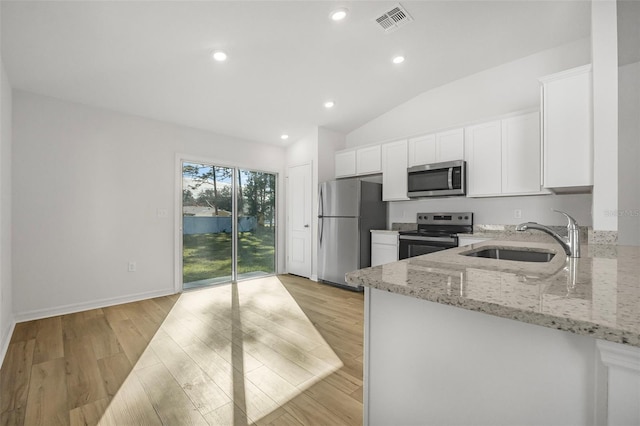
point(279, 350)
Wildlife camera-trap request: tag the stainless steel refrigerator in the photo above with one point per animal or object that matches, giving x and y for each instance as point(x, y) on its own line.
point(348, 210)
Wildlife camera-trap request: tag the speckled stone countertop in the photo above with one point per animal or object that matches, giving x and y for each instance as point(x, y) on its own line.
point(597, 295)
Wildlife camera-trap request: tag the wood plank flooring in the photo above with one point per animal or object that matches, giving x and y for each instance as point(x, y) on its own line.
point(272, 351)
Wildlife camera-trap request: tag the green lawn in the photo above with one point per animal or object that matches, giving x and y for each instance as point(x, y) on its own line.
point(209, 255)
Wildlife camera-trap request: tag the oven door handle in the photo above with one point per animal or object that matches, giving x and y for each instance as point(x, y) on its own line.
point(450, 178)
point(429, 239)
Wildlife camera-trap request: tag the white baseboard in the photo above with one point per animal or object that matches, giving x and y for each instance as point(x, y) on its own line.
point(314, 278)
point(94, 304)
point(5, 339)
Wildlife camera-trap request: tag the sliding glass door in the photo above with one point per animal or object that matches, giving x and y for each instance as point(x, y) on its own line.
point(228, 224)
point(256, 200)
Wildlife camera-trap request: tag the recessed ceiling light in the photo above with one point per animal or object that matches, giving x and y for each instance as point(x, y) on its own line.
point(329, 104)
point(284, 137)
point(398, 60)
point(219, 56)
point(339, 14)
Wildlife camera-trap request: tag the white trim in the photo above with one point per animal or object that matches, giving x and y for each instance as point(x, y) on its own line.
point(618, 355)
point(365, 357)
point(6, 339)
point(566, 73)
point(623, 376)
point(95, 304)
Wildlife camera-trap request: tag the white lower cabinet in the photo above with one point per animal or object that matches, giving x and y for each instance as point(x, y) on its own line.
point(503, 157)
point(394, 171)
point(384, 247)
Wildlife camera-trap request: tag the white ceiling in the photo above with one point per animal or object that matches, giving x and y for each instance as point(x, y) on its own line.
point(153, 58)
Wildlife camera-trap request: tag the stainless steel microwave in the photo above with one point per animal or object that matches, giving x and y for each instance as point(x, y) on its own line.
point(437, 180)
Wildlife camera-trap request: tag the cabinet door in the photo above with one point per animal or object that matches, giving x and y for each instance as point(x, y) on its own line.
point(345, 163)
point(483, 159)
point(422, 150)
point(450, 145)
point(368, 160)
point(383, 253)
point(521, 154)
point(394, 171)
point(567, 134)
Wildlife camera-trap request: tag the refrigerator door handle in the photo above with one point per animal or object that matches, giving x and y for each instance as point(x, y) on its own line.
point(320, 215)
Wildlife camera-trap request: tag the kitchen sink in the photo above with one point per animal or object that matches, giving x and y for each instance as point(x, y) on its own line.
point(509, 254)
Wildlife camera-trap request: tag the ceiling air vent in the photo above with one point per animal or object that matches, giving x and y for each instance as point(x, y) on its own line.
point(394, 18)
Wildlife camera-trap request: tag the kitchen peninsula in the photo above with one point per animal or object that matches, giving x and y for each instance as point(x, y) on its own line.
point(456, 339)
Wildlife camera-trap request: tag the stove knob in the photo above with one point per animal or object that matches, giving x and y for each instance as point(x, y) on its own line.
point(459, 217)
point(466, 217)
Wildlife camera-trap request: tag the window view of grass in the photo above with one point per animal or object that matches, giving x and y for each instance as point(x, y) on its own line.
point(208, 256)
point(208, 195)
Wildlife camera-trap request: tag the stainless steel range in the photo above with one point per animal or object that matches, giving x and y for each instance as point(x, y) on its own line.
point(436, 231)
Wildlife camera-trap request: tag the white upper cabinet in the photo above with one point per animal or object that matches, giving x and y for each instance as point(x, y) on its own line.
point(368, 160)
point(521, 154)
point(394, 171)
point(422, 150)
point(484, 155)
point(345, 163)
point(567, 130)
point(503, 156)
point(358, 161)
point(436, 148)
point(450, 145)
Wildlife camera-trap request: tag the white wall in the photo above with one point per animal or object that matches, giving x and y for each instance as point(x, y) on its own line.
point(87, 184)
point(629, 155)
point(500, 210)
point(604, 35)
point(317, 148)
point(507, 88)
point(328, 143)
point(501, 90)
point(6, 298)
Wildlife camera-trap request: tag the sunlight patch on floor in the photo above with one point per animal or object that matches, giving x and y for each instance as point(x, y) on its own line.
point(230, 354)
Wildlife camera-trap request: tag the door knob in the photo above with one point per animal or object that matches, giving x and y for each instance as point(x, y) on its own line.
point(306, 226)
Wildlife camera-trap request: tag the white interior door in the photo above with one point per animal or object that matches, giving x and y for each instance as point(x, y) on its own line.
point(300, 190)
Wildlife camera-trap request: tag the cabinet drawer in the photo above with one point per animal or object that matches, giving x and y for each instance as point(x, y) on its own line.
point(384, 238)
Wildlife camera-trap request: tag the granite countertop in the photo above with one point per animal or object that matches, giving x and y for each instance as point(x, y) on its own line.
point(384, 231)
point(597, 295)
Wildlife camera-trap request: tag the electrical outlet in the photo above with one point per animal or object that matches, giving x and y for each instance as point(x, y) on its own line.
point(162, 213)
point(132, 266)
point(517, 214)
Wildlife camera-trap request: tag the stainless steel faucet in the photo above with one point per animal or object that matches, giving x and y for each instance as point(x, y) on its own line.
point(570, 243)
